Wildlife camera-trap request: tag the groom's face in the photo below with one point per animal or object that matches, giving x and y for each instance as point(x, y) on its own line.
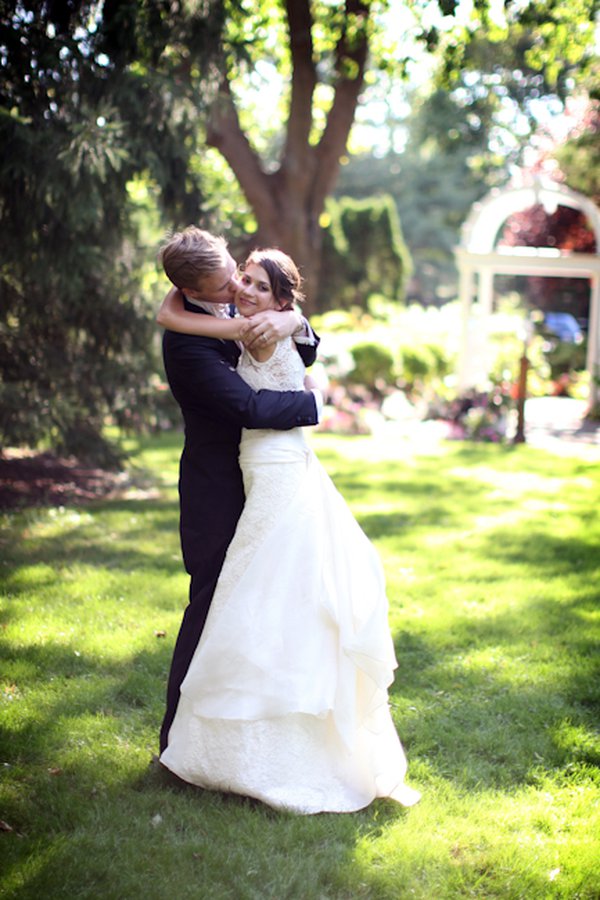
point(219, 286)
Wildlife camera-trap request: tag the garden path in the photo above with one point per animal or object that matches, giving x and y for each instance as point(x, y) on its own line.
point(557, 424)
point(554, 424)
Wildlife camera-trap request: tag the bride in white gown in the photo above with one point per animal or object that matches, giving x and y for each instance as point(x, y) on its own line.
point(286, 699)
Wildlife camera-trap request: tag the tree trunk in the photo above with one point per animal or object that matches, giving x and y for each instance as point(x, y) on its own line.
point(296, 231)
point(288, 203)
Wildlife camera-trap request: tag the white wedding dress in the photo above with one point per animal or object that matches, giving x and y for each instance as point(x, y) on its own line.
point(286, 697)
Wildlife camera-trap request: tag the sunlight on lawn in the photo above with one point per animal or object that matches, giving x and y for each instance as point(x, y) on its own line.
point(518, 483)
point(492, 568)
point(458, 856)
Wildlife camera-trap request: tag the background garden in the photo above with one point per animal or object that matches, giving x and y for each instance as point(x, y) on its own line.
point(357, 135)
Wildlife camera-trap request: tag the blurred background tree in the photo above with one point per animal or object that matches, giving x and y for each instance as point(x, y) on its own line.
point(493, 86)
point(363, 252)
point(442, 167)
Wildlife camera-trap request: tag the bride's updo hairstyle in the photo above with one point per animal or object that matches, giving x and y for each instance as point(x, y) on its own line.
point(284, 277)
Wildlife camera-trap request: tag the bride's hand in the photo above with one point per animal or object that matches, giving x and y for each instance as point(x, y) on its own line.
point(245, 326)
point(270, 326)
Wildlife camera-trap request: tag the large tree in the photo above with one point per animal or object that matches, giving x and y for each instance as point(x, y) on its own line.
point(90, 97)
point(328, 52)
point(288, 197)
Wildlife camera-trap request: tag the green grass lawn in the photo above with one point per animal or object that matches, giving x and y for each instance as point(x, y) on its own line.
point(492, 557)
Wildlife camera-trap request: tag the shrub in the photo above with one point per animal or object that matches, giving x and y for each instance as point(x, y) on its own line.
point(364, 252)
point(374, 366)
point(423, 364)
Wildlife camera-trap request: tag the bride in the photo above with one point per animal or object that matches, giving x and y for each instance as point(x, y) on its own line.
point(285, 699)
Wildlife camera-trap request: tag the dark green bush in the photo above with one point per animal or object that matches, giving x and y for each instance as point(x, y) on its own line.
point(363, 253)
point(373, 366)
point(424, 363)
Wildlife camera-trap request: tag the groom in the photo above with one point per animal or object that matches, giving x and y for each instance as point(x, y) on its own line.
point(216, 404)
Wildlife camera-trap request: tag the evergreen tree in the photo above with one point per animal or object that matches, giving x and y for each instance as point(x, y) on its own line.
point(363, 253)
point(86, 102)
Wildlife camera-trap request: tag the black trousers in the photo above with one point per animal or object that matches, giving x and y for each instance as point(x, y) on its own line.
point(210, 506)
point(194, 619)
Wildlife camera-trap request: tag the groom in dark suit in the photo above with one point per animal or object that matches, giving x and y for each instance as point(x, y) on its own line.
point(216, 404)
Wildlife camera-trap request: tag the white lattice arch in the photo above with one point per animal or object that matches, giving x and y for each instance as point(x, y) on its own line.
point(479, 259)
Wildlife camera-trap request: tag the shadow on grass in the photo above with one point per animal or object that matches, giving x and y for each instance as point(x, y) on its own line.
point(91, 541)
point(106, 824)
point(487, 703)
point(72, 686)
point(456, 490)
point(105, 827)
point(466, 708)
point(553, 554)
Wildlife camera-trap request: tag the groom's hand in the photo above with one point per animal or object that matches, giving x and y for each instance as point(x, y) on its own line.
point(272, 325)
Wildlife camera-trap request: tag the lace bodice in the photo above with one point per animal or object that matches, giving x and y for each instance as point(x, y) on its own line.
point(283, 371)
point(273, 464)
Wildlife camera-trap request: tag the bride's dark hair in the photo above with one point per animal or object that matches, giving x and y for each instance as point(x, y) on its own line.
point(284, 277)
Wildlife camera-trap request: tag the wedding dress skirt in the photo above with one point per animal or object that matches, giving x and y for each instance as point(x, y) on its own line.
point(286, 697)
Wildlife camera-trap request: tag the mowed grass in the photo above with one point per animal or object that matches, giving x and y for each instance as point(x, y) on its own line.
point(492, 557)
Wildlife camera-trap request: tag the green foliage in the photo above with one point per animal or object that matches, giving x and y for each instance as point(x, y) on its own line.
point(74, 341)
point(491, 563)
point(493, 72)
point(345, 321)
point(541, 47)
point(96, 95)
point(374, 366)
point(92, 97)
point(418, 340)
point(442, 170)
point(559, 357)
point(363, 253)
point(424, 363)
point(579, 157)
point(563, 357)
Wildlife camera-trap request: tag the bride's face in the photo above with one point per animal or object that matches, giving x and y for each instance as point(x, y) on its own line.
point(255, 294)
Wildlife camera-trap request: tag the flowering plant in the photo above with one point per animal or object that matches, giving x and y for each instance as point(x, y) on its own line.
point(478, 415)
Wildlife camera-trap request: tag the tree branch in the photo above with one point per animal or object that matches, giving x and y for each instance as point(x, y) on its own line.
point(351, 57)
point(224, 133)
point(304, 79)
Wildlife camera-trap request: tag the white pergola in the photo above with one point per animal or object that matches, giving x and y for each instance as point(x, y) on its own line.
point(479, 260)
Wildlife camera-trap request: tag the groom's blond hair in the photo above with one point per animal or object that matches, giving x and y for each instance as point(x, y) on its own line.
point(190, 255)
